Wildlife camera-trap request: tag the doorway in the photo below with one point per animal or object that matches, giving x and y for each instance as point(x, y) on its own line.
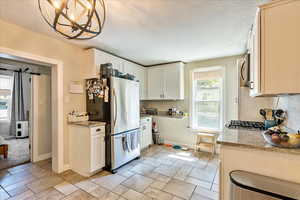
point(57, 105)
point(18, 82)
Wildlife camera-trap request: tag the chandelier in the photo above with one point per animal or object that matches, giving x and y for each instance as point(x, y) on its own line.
point(74, 19)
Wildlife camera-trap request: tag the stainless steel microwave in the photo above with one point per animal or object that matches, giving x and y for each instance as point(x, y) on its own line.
point(245, 71)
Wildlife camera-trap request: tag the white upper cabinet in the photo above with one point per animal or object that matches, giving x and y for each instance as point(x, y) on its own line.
point(140, 75)
point(166, 82)
point(255, 58)
point(102, 57)
point(174, 81)
point(124, 66)
point(156, 85)
point(275, 66)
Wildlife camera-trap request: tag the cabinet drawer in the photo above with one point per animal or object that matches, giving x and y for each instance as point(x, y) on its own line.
point(97, 130)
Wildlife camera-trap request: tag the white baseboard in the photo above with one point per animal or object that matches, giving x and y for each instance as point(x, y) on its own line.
point(67, 167)
point(43, 157)
point(190, 146)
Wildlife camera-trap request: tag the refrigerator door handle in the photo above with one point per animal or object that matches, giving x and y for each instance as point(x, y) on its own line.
point(116, 107)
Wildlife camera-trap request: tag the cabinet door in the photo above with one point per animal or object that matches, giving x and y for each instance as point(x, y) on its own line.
point(255, 58)
point(97, 152)
point(140, 76)
point(130, 68)
point(139, 73)
point(173, 82)
point(101, 58)
point(280, 31)
point(143, 136)
point(155, 83)
point(149, 132)
point(117, 63)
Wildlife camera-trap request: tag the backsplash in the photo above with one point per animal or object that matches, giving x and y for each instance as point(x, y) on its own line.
point(291, 104)
point(249, 107)
point(165, 105)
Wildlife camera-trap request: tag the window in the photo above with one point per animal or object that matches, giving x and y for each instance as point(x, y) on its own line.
point(207, 99)
point(5, 96)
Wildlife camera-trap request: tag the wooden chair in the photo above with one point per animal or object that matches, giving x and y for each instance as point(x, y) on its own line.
point(207, 140)
point(4, 150)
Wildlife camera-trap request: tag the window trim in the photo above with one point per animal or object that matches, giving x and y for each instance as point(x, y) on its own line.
point(192, 96)
point(8, 118)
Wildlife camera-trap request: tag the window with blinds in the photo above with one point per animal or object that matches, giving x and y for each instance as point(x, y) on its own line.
point(5, 96)
point(207, 100)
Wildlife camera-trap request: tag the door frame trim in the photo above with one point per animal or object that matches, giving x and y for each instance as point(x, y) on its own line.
point(57, 103)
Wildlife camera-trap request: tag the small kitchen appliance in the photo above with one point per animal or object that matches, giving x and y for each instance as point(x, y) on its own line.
point(22, 129)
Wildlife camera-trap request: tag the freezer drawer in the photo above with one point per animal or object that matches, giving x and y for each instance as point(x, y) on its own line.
point(124, 148)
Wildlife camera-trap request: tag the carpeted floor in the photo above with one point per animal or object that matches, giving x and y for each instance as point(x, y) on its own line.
point(18, 153)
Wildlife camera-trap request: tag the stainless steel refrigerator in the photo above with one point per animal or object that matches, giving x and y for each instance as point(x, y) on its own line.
point(122, 115)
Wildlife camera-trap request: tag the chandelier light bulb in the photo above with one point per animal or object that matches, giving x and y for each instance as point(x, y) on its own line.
point(56, 4)
point(72, 17)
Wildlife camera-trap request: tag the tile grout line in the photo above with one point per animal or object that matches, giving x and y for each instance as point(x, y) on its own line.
point(5, 191)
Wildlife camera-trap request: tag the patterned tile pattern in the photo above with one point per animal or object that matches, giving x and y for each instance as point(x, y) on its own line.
point(161, 173)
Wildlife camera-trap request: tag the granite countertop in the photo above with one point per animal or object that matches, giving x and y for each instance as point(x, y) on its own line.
point(249, 139)
point(89, 124)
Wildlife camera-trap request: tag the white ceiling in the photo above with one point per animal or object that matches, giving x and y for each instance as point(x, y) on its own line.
point(157, 31)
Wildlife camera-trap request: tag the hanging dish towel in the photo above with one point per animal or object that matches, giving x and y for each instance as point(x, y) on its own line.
point(124, 143)
point(134, 140)
point(128, 142)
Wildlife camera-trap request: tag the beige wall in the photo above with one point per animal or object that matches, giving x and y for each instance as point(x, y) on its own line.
point(250, 106)
point(74, 59)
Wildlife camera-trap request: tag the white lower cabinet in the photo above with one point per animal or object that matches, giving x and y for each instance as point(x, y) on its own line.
point(97, 152)
point(146, 132)
point(87, 149)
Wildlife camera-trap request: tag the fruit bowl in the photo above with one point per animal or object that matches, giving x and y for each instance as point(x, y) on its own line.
point(282, 140)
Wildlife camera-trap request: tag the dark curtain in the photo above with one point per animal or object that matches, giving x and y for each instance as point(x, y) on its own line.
point(17, 108)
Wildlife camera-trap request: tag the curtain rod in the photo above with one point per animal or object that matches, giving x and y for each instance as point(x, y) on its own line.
point(20, 70)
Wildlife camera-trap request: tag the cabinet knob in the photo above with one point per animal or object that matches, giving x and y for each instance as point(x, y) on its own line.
point(98, 130)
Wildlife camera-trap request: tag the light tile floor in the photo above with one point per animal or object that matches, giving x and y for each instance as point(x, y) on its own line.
point(18, 153)
point(161, 173)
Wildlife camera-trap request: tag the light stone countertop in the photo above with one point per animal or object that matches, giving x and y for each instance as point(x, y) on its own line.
point(143, 116)
point(164, 115)
point(89, 124)
point(249, 139)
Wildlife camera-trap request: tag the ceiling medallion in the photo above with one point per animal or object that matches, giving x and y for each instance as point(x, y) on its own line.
point(74, 19)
